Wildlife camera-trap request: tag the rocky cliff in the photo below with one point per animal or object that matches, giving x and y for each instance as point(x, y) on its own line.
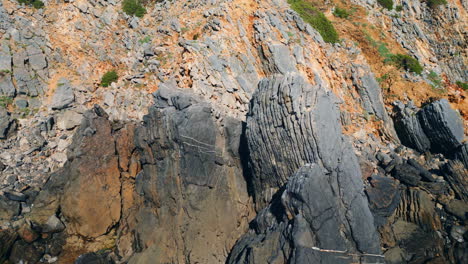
point(233, 131)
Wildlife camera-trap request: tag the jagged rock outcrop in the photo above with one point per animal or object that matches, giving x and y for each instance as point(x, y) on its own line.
point(436, 127)
point(194, 197)
point(291, 124)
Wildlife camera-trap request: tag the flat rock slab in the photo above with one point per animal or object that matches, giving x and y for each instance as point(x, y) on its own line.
point(63, 96)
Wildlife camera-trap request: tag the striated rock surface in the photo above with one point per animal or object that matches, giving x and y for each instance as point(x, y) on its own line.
point(291, 124)
point(194, 197)
point(436, 127)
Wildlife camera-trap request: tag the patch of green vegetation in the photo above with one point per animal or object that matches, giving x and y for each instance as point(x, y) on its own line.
point(133, 8)
point(5, 101)
point(435, 80)
point(435, 3)
point(38, 4)
point(407, 62)
point(290, 34)
point(184, 30)
point(316, 19)
point(4, 72)
point(146, 39)
point(380, 46)
point(388, 4)
point(384, 77)
point(341, 12)
point(108, 78)
point(400, 60)
point(399, 8)
point(462, 85)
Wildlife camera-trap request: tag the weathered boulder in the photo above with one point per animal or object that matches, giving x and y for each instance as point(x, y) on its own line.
point(409, 129)
point(407, 174)
point(436, 127)
point(69, 120)
point(442, 125)
point(87, 188)
point(63, 96)
point(384, 196)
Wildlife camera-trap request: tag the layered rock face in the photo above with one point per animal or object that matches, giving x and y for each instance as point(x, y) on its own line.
point(437, 127)
point(321, 214)
point(193, 193)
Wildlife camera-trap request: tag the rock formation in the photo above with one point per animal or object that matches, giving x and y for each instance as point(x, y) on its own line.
point(233, 131)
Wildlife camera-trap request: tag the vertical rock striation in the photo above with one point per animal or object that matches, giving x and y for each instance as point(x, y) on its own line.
point(297, 152)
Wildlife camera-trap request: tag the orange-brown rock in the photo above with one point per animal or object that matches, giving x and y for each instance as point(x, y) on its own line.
point(91, 201)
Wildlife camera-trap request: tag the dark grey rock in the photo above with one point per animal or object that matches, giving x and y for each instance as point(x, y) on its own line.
point(292, 127)
point(15, 196)
point(63, 96)
point(436, 127)
point(7, 238)
point(407, 174)
point(292, 123)
point(384, 196)
point(8, 208)
point(23, 252)
point(442, 125)
point(425, 174)
point(6, 123)
point(409, 129)
point(298, 227)
point(94, 258)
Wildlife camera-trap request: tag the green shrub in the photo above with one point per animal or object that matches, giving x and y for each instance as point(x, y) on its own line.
point(407, 62)
point(146, 39)
point(388, 4)
point(462, 85)
point(435, 3)
point(133, 8)
point(341, 13)
point(435, 79)
point(316, 19)
point(399, 8)
point(108, 78)
point(5, 101)
point(35, 3)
